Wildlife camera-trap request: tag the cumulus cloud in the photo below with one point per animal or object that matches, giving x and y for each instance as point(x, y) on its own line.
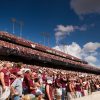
point(74, 49)
point(91, 47)
point(84, 7)
point(91, 59)
point(62, 31)
point(68, 28)
point(88, 52)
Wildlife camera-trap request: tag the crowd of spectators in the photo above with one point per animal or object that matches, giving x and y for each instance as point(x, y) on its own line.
point(17, 40)
point(20, 81)
point(14, 49)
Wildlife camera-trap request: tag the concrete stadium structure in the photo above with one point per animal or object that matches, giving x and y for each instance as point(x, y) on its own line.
point(17, 49)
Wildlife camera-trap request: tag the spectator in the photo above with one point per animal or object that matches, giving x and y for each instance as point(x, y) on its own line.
point(58, 86)
point(70, 89)
point(78, 88)
point(42, 82)
point(26, 87)
point(5, 80)
point(49, 90)
point(38, 91)
point(16, 87)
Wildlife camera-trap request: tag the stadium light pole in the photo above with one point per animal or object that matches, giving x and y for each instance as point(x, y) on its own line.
point(21, 26)
point(46, 36)
point(13, 22)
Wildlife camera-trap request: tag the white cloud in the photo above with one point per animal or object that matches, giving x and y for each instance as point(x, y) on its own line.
point(74, 49)
point(67, 29)
point(91, 59)
point(84, 7)
point(70, 28)
point(63, 31)
point(81, 28)
point(59, 36)
point(88, 52)
point(91, 47)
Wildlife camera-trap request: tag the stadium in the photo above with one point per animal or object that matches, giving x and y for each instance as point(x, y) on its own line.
point(20, 50)
point(50, 50)
point(32, 68)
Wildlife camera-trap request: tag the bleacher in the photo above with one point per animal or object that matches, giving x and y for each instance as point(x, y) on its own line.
point(16, 47)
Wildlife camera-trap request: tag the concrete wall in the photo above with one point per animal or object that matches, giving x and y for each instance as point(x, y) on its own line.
point(93, 96)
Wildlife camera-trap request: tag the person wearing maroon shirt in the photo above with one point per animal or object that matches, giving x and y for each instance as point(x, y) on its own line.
point(78, 88)
point(26, 86)
point(5, 76)
point(49, 90)
point(14, 71)
point(32, 87)
point(58, 87)
point(63, 82)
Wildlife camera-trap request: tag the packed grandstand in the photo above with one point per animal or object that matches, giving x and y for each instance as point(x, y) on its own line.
point(30, 71)
point(11, 45)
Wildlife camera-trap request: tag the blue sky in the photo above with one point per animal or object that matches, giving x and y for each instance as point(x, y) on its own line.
point(73, 22)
